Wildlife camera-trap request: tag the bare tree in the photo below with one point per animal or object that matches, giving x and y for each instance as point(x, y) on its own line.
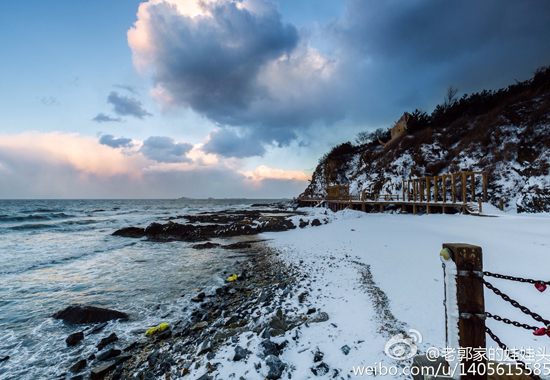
point(450, 98)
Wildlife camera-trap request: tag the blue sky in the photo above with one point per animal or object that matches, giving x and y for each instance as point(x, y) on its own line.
point(239, 99)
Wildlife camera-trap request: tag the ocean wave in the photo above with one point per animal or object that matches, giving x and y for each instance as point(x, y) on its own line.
point(26, 218)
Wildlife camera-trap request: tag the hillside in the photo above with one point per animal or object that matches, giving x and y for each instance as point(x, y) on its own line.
point(505, 133)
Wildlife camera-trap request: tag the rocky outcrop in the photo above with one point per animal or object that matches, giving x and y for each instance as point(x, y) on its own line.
point(80, 314)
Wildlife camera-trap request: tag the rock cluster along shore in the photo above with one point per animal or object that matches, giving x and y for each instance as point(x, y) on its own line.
point(251, 318)
point(207, 225)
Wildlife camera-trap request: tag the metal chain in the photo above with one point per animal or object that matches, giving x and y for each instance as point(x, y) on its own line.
point(510, 322)
point(512, 355)
point(512, 278)
point(514, 303)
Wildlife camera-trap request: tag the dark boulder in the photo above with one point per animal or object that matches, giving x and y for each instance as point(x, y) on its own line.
point(110, 353)
point(315, 222)
point(276, 367)
point(106, 341)
point(79, 366)
point(102, 370)
point(73, 339)
point(133, 232)
point(79, 314)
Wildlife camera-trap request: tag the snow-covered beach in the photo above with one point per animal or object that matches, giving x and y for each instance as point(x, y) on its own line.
point(376, 274)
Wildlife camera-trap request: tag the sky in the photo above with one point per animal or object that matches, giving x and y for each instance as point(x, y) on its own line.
point(220, 98)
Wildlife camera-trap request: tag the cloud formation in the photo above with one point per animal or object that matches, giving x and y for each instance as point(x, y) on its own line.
point(69, 165)
point(239, 64)
point(113, 142)
point(227, 143)
point(126, 106)
point(49, 101)
point(102, 118)
point(165, 149)
point(127, 87)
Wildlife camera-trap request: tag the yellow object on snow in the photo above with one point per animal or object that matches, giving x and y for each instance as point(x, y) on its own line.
point(232, 278)
point(159, 328)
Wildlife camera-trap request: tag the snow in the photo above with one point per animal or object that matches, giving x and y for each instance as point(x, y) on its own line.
point(400, 253)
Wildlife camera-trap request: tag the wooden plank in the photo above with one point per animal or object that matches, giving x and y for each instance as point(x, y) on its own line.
point(428, 191)
point(473, 184)
point(453, 188)
point(463, 186)
point(435, 188)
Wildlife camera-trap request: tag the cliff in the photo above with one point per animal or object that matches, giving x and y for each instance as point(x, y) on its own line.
point(505, 133)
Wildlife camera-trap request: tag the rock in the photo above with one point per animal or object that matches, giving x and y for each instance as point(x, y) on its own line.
point(199, 325)
point(230, 321)
point(276, 367)
point(79, 365)
point(73, 339)
point(106, 341)
point(201, 295)
point(319, 317)
point(318, 356)
point(267, 348)
point(345, 349)
point(207, 245)
point(133, 232)
point(240, 353)
point(110, 353)
point(79, 314)
point(205, 347)
point(311, 310)
point(164, 335)
point(131, 347)
point(321, 369)
point(315, 222)
point(303, 223)
point(3, 359)
point(122, 358)
point(102, 370)
point(77, 377)
point(98, 328)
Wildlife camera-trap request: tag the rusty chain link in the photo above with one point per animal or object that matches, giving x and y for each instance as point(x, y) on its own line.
point(515, 303)
point(512, 278)
point(510, 322)
point(510, 353)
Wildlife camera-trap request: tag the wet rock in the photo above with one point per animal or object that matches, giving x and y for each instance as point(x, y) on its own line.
point(122, 358)
point(110, 353)
point(232, 320)
point(315, 222)
point(276, 367)
point(239, 245)
point(345, 349)
point(102, 370)
point(164, 335)
point(79, 366)
point(98, 328)
point(321, 369)
point(200, 325)
point(73, 339)
point(106, 341)
point(79, 314)
point(133, 232)
point(77, 377)
point(207, 245)
point(3, 359)
point(240, 353)
point(131, 347)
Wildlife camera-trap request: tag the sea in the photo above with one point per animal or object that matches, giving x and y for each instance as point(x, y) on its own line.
point(55, 253)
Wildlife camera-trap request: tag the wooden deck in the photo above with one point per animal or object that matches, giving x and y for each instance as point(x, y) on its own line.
point(432, 194)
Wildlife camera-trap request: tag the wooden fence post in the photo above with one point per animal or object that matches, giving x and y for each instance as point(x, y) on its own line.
point(464, 304)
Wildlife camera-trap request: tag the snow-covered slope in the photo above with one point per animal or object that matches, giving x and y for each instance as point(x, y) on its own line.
point(505, 133)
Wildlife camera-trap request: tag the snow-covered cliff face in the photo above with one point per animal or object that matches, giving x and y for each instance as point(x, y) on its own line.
point(510, 141)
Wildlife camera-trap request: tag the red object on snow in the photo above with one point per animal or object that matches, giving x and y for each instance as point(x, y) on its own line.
point(540, 287)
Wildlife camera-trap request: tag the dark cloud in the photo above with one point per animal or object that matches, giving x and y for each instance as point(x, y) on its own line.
point(127, 87)
point(227, 143)
point(212, 63)
point(165, 149)
point(113, 142)
point(126, 106)
point(102, 118)
point(252, 71)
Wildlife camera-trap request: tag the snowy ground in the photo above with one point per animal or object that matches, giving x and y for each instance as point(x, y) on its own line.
point(358, 259)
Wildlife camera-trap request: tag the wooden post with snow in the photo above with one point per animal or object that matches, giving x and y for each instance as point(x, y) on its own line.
point(464, 304)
